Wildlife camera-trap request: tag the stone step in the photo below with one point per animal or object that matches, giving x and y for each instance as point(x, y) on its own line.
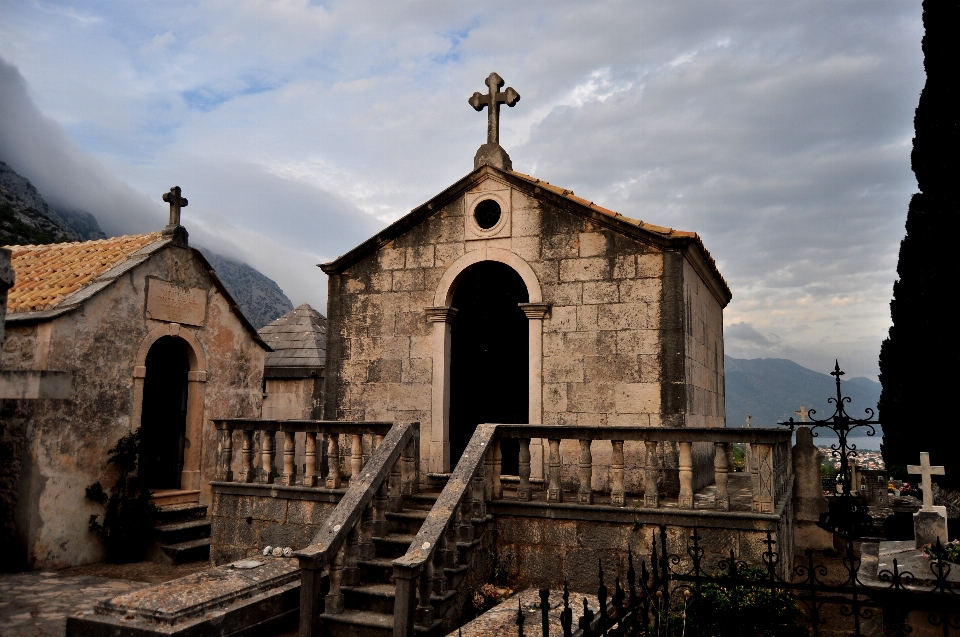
point(177, 532)
point(407, 522)
point(376, 570)
point(361, 623)
point(422, 501)
point(181, 512)
point(165, 497)
point(190, 551)
point(373, 597)
point(393, 545)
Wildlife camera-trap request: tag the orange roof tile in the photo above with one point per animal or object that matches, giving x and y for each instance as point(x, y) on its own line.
point(47, 274)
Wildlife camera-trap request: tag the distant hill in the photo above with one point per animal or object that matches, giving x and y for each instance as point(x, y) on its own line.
point(259, 297)
point(772, 389)
point(25, 218)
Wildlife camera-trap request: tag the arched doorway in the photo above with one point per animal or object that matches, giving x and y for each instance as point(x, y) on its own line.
point(163, 419)
point(489, 356)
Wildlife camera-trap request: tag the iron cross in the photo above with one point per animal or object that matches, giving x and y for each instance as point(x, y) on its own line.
point(493, 100)
point(176, 203)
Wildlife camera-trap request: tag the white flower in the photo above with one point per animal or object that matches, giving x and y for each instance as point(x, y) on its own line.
point(288, 552)
point(268, 550)
point(278, 552)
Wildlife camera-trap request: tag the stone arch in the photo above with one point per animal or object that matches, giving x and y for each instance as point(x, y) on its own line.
point(190, 479)
point(447, 283)
point(442, 313)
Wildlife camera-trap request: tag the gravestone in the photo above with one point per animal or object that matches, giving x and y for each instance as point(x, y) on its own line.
point(930, 522)
point(808, 500)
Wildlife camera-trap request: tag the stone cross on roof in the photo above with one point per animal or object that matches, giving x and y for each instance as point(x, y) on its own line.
point(803, 412)
point(925, 471)
point(176, 203)
point(491, 153)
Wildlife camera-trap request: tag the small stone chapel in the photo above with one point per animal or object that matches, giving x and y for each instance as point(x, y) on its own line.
point(506, 299)
point(148, 338)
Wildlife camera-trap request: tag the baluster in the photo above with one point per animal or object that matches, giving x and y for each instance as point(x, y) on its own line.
point(408, 469)
point(423, 616)
point(351, 572)
point(523, 490)
point(651, 474)
point(720, 474)
point(225, 473)
point(266, 456)
point(487, 471)
point(465, 530)
point(439, 563)
point(356, 457)
point(367, 550)
point(381, 502)
point(496, 470)
point(323, 460)
point(334, 601)
point(289, 476)
point(763, 484)
point(453, 553)
point(247, 472)
point(333, 462)
point(479, 496)
point(393, 489)
point(617, 493)
point(685, 501)
point(554, 491)
point(310, 460)
point(377, 441)
point(585, 494)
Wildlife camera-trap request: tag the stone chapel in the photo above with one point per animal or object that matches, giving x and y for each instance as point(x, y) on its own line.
point(152, 340)
point(506, 299)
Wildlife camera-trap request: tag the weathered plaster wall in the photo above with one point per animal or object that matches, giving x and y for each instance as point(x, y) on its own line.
point(66, 441)
point(613, 342)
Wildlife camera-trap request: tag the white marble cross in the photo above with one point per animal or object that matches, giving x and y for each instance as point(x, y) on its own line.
point(748, 420)
point(802, 413)
point(925, 471)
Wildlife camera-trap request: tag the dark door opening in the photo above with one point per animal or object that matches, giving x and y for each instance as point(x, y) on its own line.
point(489, 357)
point(163, 420)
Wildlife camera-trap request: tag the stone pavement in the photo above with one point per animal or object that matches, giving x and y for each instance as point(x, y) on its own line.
point(36, 604)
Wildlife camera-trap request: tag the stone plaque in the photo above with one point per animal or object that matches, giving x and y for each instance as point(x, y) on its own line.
point(175, 303)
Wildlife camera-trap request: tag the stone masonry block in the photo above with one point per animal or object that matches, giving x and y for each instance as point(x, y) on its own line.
point(589, 269)
point(446, 253)
point(520, 530)
point(564, 293)
point(384, 371)
point(622, 316)
point(527, 247)
point(560, 533)
point(625, 267)
point(592, 244)
point(408, 280)
point(548, 271)
point(365, 348)
point(587, 318)
point(420, 256)
point(417, 370)
point(536, 565)
point(637, 398)
point(421, 346)
point(395, 346)
point(555, 396)
point(267, 508)
point(408, 397)
point(650, 369)
point(600, 292)
point(623, 368)
point(603, 536)
point(562, 369)
point(561, 319)
point(559, 246)
point(591, 398)
point(640, 290)
point(649, 265)
point(353, 286)
point(392, 258)
point(381, 281)
point(644, 342)
point(526, 221)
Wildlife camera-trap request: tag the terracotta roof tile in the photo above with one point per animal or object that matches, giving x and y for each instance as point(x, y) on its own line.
point(47, 274)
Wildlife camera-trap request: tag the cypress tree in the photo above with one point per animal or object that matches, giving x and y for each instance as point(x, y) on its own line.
point(919, 359)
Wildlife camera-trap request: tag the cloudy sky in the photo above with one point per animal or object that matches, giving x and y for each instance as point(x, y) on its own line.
point(781, 132)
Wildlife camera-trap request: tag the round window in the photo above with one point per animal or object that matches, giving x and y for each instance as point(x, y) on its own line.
point(487, 213)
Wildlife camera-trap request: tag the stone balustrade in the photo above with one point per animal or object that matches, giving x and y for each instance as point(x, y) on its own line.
point(325, 459)
point(770, 465)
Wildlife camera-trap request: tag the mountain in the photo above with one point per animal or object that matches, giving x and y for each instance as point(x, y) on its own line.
point(25, 218)
point(772, 389)
point(259, 297)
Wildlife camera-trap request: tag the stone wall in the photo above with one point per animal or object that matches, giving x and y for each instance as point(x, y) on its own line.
point(293, 398)
point(623, 314)
point(245, 519)
point(66, 441)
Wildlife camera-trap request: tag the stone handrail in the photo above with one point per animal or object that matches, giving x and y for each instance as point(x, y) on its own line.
point(350, 525)
point(311, 429)
point(769, 461)
point(425, 560)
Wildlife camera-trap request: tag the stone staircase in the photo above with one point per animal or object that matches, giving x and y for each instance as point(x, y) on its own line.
point(181, 534)
point(369, 602)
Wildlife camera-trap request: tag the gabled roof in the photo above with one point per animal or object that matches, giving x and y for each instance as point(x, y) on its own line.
point(57, 278)
point(298, 340)
point(660, 236)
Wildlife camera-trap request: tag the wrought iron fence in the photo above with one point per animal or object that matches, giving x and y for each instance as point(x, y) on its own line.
point(684, 595)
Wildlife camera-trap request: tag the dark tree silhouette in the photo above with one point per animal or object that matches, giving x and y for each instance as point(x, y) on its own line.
point(919, 359)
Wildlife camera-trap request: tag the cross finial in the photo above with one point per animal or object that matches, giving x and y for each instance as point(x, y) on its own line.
point(491, 153)
point(803, 412)
point(176, 203)
point(749, 418)
point(925, 471)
